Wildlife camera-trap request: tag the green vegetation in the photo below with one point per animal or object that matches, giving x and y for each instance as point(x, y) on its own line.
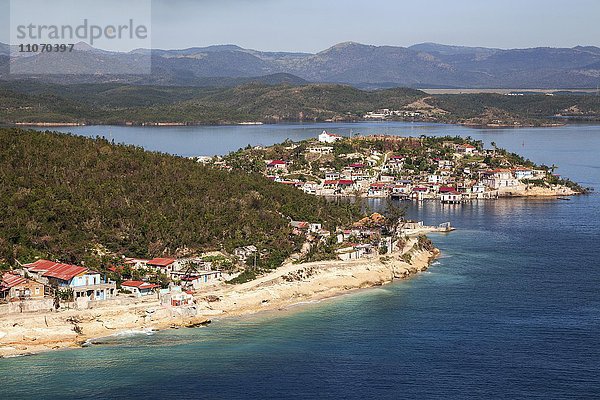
point(111, 103)
point(77, 199)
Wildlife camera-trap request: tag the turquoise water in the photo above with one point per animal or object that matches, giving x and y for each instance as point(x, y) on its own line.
point(511, 310)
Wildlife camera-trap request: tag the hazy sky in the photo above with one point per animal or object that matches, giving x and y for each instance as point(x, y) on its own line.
point(313, 25)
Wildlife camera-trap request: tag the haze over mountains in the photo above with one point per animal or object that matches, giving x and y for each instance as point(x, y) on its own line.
point(426, 65)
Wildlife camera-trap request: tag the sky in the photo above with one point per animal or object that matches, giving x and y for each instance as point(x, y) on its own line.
point(314, 25)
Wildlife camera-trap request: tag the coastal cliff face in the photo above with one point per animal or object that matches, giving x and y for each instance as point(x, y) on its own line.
point(289, 285)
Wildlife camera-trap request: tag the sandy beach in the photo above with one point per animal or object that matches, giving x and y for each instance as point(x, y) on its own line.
point(31, 333)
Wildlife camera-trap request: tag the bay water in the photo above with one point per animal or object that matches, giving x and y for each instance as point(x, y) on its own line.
point(510, 310)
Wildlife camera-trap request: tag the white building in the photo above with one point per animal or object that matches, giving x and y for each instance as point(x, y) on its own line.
point(320, 149)
point(327, 137)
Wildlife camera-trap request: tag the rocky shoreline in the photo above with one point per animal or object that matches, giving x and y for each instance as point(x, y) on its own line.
point(291, 284)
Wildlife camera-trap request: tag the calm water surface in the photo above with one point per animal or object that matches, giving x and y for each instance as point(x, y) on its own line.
point(511, 310)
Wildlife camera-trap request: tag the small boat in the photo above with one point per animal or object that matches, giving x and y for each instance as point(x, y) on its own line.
point(564, 198)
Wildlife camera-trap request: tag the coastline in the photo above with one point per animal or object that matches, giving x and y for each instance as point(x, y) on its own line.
point(281, 289)
point(542, 124)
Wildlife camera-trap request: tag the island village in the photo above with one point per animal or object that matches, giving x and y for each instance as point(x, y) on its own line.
point(176, 291)
point(451, 170)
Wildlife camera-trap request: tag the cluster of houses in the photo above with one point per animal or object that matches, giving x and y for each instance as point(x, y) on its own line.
point(452, 179)
point(386, 113)
point(44, 278)
point(363, 239)
point(191, 272)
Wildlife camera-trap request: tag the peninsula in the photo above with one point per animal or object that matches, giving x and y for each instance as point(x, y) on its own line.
point(99, 238)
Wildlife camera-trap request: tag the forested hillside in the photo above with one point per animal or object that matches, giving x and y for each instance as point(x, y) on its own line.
point(34, 102)
point(74, 198)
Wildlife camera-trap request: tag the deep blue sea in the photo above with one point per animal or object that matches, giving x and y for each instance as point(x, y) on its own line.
point(511, 310)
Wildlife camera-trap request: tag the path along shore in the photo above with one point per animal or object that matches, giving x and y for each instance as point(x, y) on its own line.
point(32, 333)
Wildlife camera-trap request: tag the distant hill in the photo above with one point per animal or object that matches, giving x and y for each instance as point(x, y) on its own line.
point(419, 66)
point(117, 103)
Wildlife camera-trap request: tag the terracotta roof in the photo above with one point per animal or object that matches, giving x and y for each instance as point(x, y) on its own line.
point(330, 182)
point(277, 162)
point(161, 262)
point(445, 189)
point(10, 280)
point(345, 182)
point(140, 284)
point(40, 265)
point(64, 272)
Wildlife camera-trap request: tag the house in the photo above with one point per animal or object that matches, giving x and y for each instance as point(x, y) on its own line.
point(244, 252)
point(136, 263)
point(446, 189)
point(523, 173)
point(176, 297)
point(202, 278)
point(451, 197)
point(332, 176)
point(83, 282)
point(310, 187)
point(466, 149)
point(345, 184)
point(445, 164)
point(320, 149)
point(139, 288)
point(354, 252)
point(419, 193)
point(16, 287)
point(499, 179)
point(330, 184)
point(165, 265)
point(277, 165)
point(434, 179)
point(377, 190)
point(327, 137)
point(356, 166)
point(400, 191)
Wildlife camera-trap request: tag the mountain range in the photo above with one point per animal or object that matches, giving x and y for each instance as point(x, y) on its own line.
point(426, 65)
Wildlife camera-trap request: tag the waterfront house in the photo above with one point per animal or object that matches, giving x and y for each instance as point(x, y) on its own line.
point(83, 282)
point(203, 278)
point(499, 178)
point(176, 297)
point(377, 190)
point(450, 197)
point(346, 185)
point(523, 173)
point(16, 287)
point(327, 137)
point(140, 288)
point(419, 193)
